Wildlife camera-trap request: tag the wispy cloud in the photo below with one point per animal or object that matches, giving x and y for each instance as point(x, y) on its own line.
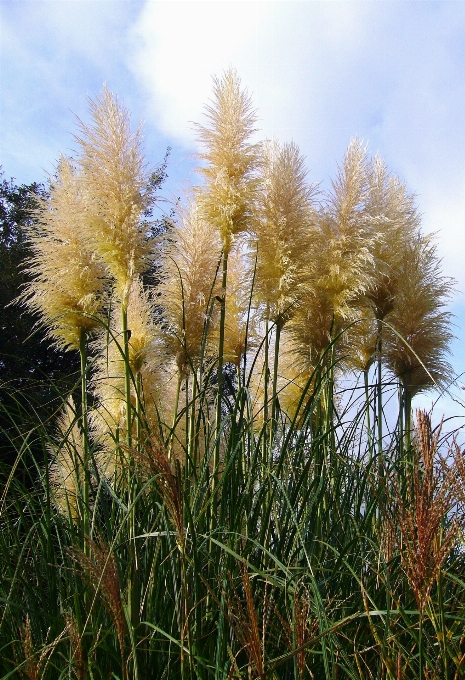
point(54, 54)
point(320, 73)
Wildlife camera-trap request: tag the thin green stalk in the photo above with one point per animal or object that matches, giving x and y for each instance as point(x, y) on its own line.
point(216, 458)
point(380, 401)
point(127, 376)
point(175, 414)
point(132, 582)
point(421, 674)
point(330, 400)
point(408, 421)
point(185, 626)
point(265, 391)
point(193, 435)
point(139, 413)
point(274, 404)
point(367, 410)
point(85, 439)
point(186, 443)
point(401, 437)
point(239, 377)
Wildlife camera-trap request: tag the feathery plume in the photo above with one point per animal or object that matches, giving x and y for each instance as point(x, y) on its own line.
point(237, 311)
point(145, 357)
point(256, 388)
point(394, 222)
point(230, 158)
point(311, 329)
point(293, 377)
point(346, 202)
point(283, 227)
point(344, 251)
point(343, 262)
point(67, 285)
point(67, 472)
point(115, 176)
point(416, 352)
point(361, 342)
point(188, 271)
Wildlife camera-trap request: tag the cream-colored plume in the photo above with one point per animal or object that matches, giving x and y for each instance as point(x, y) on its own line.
point(188, 270)
point(146, 359)
point(68, 282)
point(66, 471)
point(283, 228)
point(417, 348)
point(238, 321)
point(294, 375)
point(362, 340)
point(343, 263)
point(230, 158)
point(390, 216)
point(344, 251)
point(394, 222)
point(115, 176)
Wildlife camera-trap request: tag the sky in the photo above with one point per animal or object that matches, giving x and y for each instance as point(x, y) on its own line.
point(319, 72)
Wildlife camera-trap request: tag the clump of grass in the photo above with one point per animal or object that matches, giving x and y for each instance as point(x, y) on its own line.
point(288, 532)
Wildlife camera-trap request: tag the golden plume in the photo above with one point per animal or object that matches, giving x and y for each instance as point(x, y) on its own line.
point(417, 348)
point(67, 281)
point(146, 362)
point(344, 250)
point(294, 376)
point(342, 267)
point(115, 176)
point(67, 471)
point(188, 271)
point(393, 221)
point(239, 320)
point(361, 341)
point(283, 227)
point(230, 158)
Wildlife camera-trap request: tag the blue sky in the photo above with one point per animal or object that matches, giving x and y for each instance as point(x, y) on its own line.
point(320, 72)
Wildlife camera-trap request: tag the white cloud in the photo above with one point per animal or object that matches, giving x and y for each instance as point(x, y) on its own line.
point(178, 46)
point(53, 55)
point(320, 73)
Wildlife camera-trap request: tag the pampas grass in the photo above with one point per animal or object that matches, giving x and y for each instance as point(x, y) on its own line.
point(417, 346)
point(283, 229)
point(67, 472)
point(115, 177)
point(294, 529)
point(230, 158)
point(145, 362)
point(68, 286)
point(190, 255)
